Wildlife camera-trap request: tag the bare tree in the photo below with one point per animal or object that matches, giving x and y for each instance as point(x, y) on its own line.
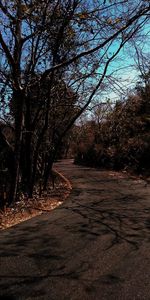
point(74, 41)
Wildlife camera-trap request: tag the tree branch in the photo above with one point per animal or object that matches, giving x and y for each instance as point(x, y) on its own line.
point(5, 11)
point(7, 52)
point(88, 52)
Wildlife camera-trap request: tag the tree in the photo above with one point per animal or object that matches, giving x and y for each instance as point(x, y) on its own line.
point(121, 139)
point(74, 41)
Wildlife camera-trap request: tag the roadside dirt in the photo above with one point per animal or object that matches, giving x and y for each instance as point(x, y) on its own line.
point(29, 208)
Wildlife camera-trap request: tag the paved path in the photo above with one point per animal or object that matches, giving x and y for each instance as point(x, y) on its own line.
point(95, 246)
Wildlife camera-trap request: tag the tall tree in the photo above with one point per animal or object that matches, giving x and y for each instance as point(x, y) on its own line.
point(73, 41)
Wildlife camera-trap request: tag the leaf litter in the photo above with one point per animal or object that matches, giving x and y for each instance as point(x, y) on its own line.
point(27, 208)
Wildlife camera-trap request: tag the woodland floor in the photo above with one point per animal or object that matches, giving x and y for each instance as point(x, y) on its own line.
point(28, 208)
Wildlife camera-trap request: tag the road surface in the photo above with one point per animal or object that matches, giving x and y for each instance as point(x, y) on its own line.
point(95, 246)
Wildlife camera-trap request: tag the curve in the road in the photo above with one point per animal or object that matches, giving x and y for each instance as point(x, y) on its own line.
point(93, 247)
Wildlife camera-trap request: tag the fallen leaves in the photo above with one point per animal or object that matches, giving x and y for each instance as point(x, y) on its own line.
point(29, 208)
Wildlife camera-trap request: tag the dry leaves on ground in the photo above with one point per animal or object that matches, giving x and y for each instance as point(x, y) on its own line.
point(28, 208)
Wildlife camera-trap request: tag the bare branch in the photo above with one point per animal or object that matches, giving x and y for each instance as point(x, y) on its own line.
point(7, 52)
point(5, 11)
point(88, 52)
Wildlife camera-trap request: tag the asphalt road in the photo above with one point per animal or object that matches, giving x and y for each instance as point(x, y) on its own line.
point(95, 246)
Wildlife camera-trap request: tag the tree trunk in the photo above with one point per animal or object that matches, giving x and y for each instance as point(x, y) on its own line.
point(26, 162)
point(18, 99)
point(48, 170)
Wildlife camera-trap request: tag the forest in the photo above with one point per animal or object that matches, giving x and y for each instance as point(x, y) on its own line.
point(56, 61)
point(118, 137)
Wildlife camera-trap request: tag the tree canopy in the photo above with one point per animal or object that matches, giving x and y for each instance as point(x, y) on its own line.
point(54, 59)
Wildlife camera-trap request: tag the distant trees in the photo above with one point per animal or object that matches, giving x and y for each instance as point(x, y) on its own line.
point(54, 58)
point(122, 138)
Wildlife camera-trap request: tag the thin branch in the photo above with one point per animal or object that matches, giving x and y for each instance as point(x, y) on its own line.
point(7, 52)
point(88, 52)
point(5, 11)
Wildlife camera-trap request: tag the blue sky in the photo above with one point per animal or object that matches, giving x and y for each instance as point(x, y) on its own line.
point(125, 66)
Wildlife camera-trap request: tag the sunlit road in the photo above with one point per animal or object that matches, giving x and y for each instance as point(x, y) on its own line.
point(95, 246)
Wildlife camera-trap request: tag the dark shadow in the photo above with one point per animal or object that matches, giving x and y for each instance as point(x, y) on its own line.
point(8, 297)
point(123, 217)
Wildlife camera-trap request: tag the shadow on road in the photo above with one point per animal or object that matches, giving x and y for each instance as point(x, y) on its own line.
point(96, 221)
